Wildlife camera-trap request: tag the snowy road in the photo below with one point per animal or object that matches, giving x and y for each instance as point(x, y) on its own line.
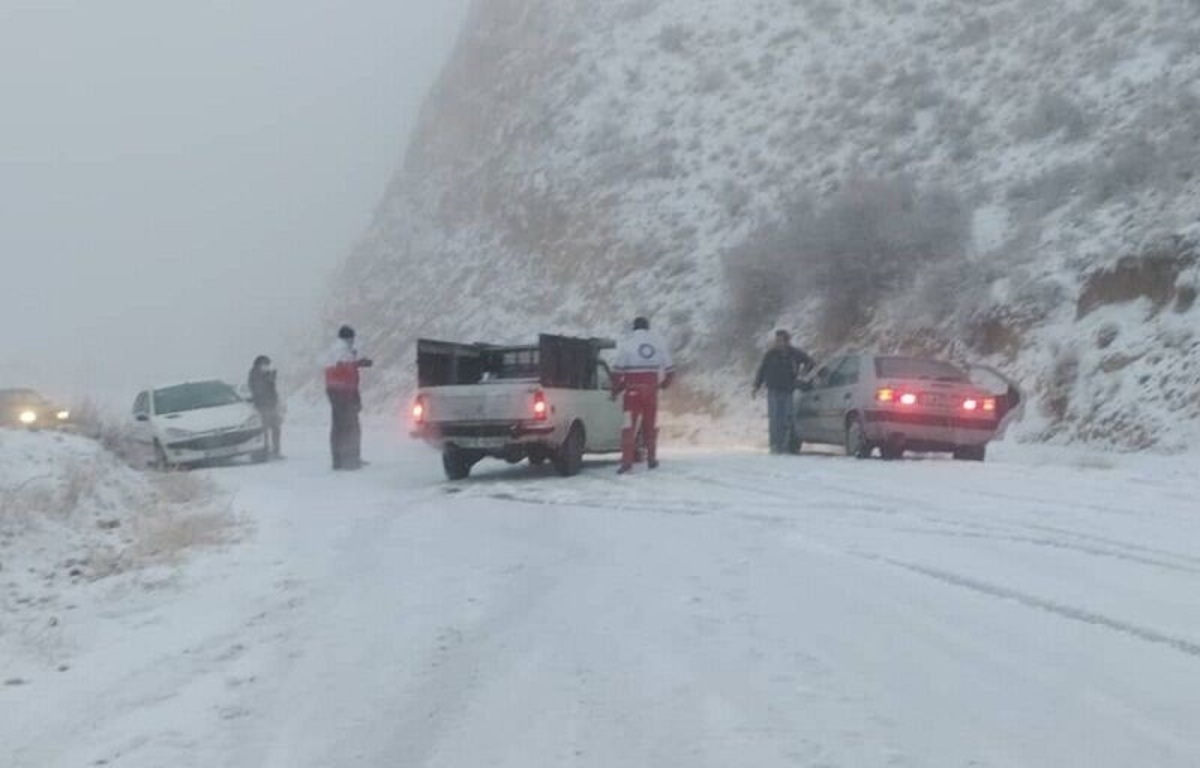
point(732, 609)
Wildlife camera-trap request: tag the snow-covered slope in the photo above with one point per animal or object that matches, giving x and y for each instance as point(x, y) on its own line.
point(75, 520)
point(1011, 180)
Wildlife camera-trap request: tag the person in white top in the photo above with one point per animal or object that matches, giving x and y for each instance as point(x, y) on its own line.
point(641, 368)
point(341, 384)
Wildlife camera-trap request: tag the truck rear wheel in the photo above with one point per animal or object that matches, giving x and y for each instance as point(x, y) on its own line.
point(458, 463)
point(568, 461)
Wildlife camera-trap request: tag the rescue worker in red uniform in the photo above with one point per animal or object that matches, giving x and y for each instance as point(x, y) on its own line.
point(341, 385)
point(641, 368)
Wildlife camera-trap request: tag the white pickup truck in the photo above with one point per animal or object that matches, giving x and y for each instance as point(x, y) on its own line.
point(548, 401)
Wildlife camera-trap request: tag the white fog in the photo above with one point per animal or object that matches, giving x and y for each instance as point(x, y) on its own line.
point(178, 180)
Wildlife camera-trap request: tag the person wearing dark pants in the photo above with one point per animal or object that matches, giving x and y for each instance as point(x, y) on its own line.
point(265, 397)
point(345, 401)
point(345, 434)
point(780, 371)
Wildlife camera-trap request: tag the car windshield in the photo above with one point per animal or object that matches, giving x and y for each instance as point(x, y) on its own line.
point(193, 397)
point(915, 368)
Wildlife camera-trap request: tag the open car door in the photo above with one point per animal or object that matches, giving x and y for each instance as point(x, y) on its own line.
point(568, 363)
point(1010, 398)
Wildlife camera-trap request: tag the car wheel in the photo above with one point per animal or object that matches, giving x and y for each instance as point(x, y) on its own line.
point(568, 461)
point(856, 439)
point(161, 462)
point(892, 450)
point(458, 463)
point(970, 453)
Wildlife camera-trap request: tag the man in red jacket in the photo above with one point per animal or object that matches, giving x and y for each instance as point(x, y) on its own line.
point(641, 368)
point(341, 384)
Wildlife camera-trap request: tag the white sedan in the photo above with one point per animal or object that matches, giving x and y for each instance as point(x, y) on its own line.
point(197, 422)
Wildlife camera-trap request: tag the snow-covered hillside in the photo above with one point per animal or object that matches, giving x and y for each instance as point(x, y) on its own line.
point(1013, 180)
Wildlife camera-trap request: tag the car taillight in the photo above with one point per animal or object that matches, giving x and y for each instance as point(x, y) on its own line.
point(889, 395)
point(541, 410)
point(418, 411)
point(970, 404)
point(989, 404)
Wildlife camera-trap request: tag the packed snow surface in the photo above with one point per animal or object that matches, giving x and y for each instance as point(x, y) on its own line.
point(730, 609)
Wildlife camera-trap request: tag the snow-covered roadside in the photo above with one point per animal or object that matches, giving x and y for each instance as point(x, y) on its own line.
point(90, 551)
point(731, 609)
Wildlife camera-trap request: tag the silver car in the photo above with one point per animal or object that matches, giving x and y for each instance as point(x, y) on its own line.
point(898, 404)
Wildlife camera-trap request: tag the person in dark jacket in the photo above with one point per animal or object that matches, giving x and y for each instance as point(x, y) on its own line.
point(265, 398)
point(780, 371)
point(341, 384)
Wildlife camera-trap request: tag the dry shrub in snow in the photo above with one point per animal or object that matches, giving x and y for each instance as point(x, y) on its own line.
point(111, 431)
point(69, 506)
point(166, 533)
point(865, 245)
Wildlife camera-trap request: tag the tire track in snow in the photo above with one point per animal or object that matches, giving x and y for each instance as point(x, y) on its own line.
point(1074, 613)
point(1007, 531)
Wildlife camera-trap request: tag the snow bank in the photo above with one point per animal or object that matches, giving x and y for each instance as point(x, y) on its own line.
point(72, 514)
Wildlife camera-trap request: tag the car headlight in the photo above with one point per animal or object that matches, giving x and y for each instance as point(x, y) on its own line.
point(27, 417)
point(63, 415)
point(174, 433)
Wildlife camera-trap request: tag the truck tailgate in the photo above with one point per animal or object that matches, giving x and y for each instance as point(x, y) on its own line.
point(477, 403)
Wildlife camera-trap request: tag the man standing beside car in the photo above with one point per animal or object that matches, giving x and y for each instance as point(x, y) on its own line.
point(342, 385)
point(780, 372)
point(265, 397)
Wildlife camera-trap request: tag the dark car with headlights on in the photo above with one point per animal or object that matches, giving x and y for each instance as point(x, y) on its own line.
point(27, 409)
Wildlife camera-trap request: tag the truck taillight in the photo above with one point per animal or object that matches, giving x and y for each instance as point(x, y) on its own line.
point(908, 398)
point(418, 411)
point(541, 410)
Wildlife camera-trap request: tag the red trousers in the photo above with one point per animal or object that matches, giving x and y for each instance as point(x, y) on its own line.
point(641, 413)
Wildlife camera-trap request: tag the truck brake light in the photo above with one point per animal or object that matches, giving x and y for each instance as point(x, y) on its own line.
point(908, 398)
point(970, 404)
point(418, 410)
point(541, 410)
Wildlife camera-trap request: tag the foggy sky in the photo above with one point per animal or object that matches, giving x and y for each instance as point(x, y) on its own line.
point(178, 180)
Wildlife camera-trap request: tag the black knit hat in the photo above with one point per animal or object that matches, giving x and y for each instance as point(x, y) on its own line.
point(345, 332)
